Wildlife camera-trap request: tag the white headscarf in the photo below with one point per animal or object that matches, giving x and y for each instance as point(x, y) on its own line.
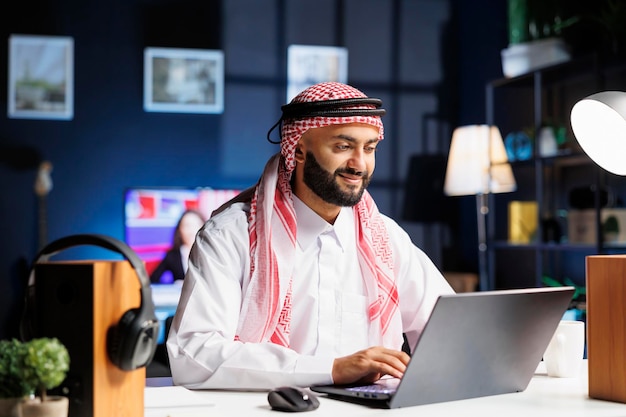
point(266, 309)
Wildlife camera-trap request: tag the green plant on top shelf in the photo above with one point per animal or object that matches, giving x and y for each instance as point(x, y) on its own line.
point(530, 20)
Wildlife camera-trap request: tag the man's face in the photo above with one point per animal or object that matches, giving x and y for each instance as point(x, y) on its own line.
point(339, 161)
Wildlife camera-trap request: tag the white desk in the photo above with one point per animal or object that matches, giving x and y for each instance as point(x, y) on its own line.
point(545, 396)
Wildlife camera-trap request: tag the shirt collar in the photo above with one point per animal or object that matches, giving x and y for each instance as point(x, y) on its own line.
point(311, 225)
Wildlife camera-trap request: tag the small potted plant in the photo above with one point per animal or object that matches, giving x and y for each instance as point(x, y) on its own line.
point(535, 36)
point(27, 371)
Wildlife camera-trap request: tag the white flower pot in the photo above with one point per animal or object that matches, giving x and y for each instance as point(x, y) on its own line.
point(54, 406)
point(525, 57)
point(8, 407)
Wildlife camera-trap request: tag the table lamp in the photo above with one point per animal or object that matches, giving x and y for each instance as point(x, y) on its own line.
point(599, 125)
point(478, 165)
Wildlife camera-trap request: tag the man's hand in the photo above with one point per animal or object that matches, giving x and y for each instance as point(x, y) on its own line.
point(367, 366)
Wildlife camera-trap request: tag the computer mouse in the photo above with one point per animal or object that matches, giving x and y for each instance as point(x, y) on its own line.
point(292, 399)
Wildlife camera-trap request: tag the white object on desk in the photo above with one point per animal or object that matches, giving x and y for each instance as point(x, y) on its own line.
point(564, 355)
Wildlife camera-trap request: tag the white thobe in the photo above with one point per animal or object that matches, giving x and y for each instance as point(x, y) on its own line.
point(329, 303)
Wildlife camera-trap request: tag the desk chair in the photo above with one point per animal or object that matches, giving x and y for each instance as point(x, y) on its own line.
point(160, 365)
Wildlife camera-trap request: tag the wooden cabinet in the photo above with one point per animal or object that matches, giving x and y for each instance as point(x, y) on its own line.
point(563, 185)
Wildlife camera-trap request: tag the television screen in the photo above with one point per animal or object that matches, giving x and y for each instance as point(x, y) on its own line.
point(151, 215)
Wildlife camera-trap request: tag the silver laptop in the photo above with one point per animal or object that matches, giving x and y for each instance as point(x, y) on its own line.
point(475, 344)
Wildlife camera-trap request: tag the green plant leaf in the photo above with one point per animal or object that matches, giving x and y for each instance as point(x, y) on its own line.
point(32, 367)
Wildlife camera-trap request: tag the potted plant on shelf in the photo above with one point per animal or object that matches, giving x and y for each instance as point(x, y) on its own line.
point(534, 31)
point(27, 371)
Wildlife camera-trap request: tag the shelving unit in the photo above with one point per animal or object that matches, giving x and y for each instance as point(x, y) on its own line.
point(527, 103)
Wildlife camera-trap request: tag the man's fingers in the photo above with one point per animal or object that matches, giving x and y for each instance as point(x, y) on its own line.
point(393, 364)
point(397, 359)
point(366, 363)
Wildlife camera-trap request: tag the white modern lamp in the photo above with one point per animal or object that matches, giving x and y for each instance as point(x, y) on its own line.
point(599, 124)
point(478, 165)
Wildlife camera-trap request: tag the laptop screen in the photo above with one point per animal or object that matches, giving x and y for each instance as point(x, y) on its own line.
point(475, 344)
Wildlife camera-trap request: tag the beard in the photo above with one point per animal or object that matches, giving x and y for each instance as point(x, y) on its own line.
point(324, 183)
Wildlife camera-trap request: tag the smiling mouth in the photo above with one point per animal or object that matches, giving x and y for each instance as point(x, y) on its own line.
point(352, 179)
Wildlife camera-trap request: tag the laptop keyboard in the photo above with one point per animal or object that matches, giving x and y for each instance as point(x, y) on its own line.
point(372, 389)
point(382, 386)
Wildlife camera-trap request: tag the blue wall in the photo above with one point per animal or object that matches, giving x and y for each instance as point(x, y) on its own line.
point(420, 56)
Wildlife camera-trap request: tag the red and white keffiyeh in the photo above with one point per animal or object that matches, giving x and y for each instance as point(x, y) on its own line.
point(266, 309)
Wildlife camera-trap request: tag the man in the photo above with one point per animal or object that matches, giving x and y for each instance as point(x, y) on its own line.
point(300, 280)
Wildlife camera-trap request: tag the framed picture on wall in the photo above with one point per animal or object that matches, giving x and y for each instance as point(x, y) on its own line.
point(309, 64)
point(183, 80)
point(41, 77)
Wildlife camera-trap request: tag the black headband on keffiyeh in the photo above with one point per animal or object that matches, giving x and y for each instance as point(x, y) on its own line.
point(266, 307)
point(342, 107)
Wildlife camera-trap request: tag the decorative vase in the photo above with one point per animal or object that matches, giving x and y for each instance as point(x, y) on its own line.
point(547, 142)
point(54, 406)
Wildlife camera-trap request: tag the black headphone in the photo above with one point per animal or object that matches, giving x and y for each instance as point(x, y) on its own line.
point(131, 343)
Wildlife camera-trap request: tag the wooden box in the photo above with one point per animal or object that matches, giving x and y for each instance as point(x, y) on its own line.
point(77, 302)
point(606, 326)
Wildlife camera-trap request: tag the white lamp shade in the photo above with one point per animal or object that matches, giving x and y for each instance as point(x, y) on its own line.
point(599, 124)
point(477, 163)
